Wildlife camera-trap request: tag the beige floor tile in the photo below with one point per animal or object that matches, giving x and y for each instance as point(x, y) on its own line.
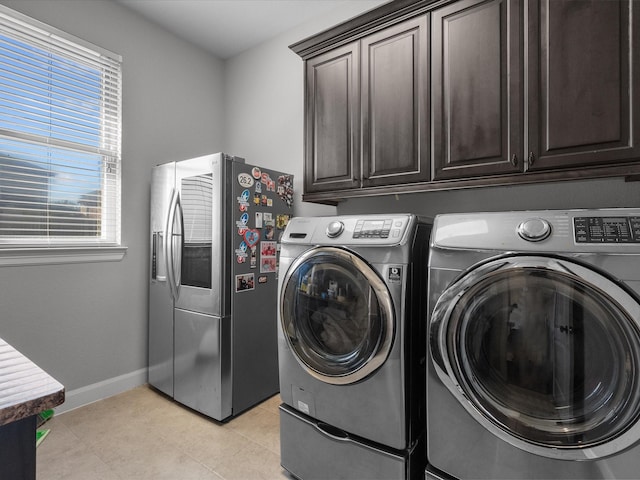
point(252, 462)
point(62, 456)
point(260, 425)
point(142, 434)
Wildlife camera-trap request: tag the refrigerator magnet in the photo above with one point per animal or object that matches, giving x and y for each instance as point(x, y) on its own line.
point(256, 172)
point(282, 221)
point(268, 265)
point(242, 248)
point(285, 189)
point(244, 282)
point(268, 252)
point(251, 237)
point(258, 220)
point(245, 180)
point(244, 196)
point(268, 232)
point(242, 222)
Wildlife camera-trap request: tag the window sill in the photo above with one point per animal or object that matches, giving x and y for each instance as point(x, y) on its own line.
point(12, 257)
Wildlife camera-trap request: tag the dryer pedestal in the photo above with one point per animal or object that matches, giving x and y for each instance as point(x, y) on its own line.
point(330, 453)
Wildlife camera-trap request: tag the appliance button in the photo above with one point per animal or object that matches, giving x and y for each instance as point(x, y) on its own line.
point(335, 229)
point(534, 229)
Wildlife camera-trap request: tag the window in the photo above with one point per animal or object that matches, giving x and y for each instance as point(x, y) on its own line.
point(60, 121)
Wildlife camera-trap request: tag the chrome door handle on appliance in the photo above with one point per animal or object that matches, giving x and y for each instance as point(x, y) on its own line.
point(178, 275)
point(168, 244)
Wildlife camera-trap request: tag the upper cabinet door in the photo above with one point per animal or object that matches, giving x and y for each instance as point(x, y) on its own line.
point(332, 158)
point(584, 86)
point(477, 89)
point(395, 129)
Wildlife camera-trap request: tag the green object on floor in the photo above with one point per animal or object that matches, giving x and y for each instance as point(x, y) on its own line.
point(44, 416)
point(40, 435)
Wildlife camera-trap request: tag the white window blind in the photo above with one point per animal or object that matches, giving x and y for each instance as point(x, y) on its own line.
point(60, 122)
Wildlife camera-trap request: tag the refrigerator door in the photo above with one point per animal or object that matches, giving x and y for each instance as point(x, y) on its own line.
point(160, 299)
point(202, 363)
point(261, 202)
point(200, 185)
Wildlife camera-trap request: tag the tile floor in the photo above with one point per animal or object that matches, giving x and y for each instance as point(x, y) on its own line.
point(141, 434)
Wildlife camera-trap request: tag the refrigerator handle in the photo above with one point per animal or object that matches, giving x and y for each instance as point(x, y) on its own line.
point(169, 244)
point(180, 237)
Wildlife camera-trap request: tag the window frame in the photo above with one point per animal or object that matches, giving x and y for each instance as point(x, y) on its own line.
point(47, 249)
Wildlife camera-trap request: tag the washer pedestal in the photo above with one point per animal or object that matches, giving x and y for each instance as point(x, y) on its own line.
point(327, 452)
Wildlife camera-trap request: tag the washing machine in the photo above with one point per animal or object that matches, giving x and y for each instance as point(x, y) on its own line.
point(352, 346)
point(534, 345)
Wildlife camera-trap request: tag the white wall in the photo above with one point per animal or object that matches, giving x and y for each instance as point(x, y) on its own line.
point(86, 324)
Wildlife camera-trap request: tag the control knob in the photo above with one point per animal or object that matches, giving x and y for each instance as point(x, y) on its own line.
point(534, 229)
point(334, 229)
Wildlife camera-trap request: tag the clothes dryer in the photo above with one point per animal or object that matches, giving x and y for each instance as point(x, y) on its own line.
point(534, 345)
point(352, 346)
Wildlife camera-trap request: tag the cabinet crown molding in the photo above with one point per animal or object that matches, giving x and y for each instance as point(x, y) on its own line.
point(361, 25)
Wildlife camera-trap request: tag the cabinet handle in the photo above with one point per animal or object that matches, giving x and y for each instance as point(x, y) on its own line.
point(514, 160)
point(532, 157)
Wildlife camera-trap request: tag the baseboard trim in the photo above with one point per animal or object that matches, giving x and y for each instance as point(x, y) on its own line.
point(101, 390)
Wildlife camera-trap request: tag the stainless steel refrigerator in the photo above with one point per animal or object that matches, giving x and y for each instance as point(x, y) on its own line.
point(216, 223)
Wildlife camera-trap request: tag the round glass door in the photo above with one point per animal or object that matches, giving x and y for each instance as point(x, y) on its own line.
point(545, 353)
point(337, 315)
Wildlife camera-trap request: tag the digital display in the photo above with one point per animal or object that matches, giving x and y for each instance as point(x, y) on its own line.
point(373, 225)
point(607, 229)
point(372, 228)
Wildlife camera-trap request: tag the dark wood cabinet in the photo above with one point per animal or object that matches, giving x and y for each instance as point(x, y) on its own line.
point(421, 95)
point(477, 92)
point(395, 121)
point(584, 88)
point(366, 111)
point(332, 128)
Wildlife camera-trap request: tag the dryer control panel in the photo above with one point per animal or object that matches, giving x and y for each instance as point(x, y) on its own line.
point(383, 229)
point(624, 229)
point(611, 230)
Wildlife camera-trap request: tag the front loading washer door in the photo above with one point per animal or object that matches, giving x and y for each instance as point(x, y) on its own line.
point(545, 353)
point(337, 315)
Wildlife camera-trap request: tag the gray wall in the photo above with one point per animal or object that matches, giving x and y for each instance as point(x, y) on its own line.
point(86, 324)
point(603, 193)
point(264, 94)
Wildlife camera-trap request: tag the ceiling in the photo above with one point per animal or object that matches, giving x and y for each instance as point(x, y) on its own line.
point(229, 27)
